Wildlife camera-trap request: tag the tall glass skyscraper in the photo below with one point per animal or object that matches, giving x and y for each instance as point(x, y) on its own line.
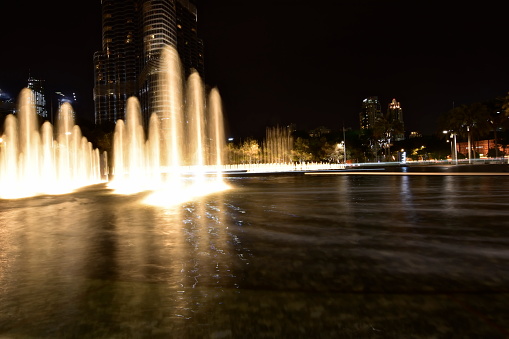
point(133, 35)
point(370, 112)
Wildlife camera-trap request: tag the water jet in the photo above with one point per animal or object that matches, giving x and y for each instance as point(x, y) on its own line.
point(35, 161)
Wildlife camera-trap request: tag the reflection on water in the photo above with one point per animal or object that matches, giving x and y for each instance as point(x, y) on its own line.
point(275, 256)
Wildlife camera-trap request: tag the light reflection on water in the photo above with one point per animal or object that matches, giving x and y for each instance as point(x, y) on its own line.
point(333, 254)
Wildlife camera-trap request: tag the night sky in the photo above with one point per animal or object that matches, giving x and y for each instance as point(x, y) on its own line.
point(281, 61)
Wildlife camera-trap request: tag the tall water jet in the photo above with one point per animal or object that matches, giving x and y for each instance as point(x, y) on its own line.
point(136, 160)
point(185, 139)
point(34, 163)
point(196, 124)
point(278, 145)
point(216, 131)
point(171, 113)
point(29, 139)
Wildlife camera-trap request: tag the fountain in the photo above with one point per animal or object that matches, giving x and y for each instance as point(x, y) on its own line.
point(280, 256)
point(278, 145)
point(181, 155)
point(37, 161)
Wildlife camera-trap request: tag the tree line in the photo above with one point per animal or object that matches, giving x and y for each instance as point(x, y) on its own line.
point(475, 121)
point(383, 142)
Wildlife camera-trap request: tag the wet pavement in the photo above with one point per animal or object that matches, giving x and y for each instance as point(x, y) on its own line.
point(276, 256)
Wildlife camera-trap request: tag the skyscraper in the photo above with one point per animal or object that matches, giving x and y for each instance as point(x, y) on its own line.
point(370, 112)
point(38, 97)
point(395, 114)
point(133, 35)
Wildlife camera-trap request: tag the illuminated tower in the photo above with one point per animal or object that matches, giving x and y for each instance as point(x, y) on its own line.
point(370, 112)
point(115, 66)
point(189, 46)
point(39, 99)
point(395, 114)
point(133, 33)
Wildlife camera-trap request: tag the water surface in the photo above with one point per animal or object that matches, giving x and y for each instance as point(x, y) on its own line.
point(278, 256)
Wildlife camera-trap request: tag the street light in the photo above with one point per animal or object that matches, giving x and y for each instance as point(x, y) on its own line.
point(469, 146)
point(344, 145)
point(341, 146)
point(454, 154)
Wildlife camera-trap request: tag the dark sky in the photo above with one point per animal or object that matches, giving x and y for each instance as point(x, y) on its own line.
point(281, 61)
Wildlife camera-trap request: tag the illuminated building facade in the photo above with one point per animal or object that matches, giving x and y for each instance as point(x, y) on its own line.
point(133, 34)
point(395, 113)
point(189, 46)
point(481, 148)
point(38, 98)
point(115, 67)
point(370, 112)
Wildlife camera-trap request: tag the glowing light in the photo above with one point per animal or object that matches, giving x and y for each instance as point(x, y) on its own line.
point(172, 195)
point(180, 158)
point(32, 162)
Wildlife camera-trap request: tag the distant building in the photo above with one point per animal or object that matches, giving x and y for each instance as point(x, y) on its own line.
point(133, 34)
point(61, 98)
point(480, 148)
point(38, 98)
point(414, 134)
point(370, 112)
point(395, 113)
point(319, 131)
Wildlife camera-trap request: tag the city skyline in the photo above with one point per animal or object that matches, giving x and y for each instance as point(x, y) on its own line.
point(284, 62)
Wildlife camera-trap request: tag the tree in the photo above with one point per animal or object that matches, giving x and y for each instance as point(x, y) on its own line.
point(300, 152)
point(498, 120)
point(250, 151)
point(385, 129)
point(505, 104)
point(468, 120)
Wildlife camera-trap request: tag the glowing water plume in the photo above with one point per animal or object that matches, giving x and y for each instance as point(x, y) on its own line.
point(183, 193)
point(278, 145)
point(32, 162)
point(196, 124)
point(130, 172)
point(171, 113)
point(184, 142)
point(216, 129)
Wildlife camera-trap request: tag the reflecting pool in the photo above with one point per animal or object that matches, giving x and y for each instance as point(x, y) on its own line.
point(275, 256)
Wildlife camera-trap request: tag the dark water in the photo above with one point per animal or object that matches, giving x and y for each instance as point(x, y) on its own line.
point(356, 256)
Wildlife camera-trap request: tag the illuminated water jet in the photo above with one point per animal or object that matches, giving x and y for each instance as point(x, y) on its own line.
point(36, 161)
point(181, 156)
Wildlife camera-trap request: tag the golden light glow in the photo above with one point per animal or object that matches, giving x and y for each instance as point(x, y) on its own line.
point(35, 160)
point(176, 194)
point(180, 156)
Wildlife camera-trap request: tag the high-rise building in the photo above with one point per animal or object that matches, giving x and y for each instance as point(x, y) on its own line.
point(189, 46)
point(395, 114)
point(116, 68)
point(370, 112)
point(133, 35)
point(38, 97)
